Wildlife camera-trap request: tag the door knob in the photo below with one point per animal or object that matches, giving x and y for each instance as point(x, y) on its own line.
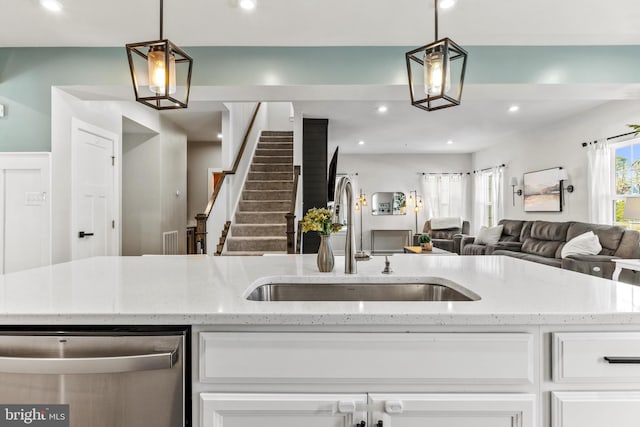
point(82, 234)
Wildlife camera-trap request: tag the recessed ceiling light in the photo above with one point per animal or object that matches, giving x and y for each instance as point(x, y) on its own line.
point(51, 5)
point(360, 142)
point(446, 4)
point(449, 142)
point(247, 4)
point(219, 136)
point(382, 109)
point(513, 108)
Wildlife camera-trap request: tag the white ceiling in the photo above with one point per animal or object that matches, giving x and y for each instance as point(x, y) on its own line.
point(321, 22)
point(477, 123)
point(472, 126)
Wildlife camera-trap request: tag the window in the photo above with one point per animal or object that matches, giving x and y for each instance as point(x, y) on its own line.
point(626, 172)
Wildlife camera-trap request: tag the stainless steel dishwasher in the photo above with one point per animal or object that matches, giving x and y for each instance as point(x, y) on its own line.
point(107, 378)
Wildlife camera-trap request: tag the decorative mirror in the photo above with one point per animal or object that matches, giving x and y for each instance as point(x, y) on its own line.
point(388, 203)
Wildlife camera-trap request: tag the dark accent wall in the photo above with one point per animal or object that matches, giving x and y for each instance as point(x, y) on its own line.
point(314, 174)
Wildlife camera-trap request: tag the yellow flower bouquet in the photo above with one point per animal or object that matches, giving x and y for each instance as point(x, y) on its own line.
point(319, 219)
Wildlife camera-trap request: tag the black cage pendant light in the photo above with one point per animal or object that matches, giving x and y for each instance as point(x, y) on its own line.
point(160, 71)
point(436, 73)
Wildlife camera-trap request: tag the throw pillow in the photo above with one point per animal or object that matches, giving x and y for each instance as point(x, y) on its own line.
point(488, 235)
point(584, 244)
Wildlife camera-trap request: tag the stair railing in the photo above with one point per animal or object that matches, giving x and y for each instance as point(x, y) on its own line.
point(291, 215)
point(201, 218)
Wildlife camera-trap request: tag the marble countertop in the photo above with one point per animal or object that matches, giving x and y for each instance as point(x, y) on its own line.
point(212, 290)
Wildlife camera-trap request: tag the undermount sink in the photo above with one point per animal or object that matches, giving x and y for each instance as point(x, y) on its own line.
point(422, 290)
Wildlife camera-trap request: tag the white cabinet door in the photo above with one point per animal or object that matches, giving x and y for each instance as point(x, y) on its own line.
point(595, 409)
point(452, 410)
point(282, 410)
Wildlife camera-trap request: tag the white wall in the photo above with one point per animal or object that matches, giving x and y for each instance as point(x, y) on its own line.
point(558, 145)
point(25, 211)
point(108, 115)
point(278, 114)
point(201, 155)
point(394, 172)
point(140, 166)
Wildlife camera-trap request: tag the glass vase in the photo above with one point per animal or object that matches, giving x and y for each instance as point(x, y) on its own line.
point(325, 254)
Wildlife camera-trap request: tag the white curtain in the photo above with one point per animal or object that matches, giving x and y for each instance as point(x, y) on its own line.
point(479, 202)
point(497, 190)
point(600, 186)
point(482, 189)
point(445, 195)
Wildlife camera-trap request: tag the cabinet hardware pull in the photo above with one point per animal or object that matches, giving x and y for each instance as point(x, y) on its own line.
point(622, 360)
point(82, 234)
point(361, 424)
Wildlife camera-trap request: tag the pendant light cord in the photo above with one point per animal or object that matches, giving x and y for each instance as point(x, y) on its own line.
point(162, 15)
point(436, 6)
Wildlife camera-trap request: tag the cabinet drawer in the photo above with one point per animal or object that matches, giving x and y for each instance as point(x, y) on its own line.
point(595, 409)
point(379, 358)
point(580, 357)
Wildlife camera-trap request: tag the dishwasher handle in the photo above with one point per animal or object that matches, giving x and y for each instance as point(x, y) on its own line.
point(88, 365)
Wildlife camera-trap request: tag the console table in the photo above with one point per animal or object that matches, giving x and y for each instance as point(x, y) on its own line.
point(389, 241)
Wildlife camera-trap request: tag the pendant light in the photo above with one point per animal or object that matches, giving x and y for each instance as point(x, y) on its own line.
point(160, 72)
point(436, 72)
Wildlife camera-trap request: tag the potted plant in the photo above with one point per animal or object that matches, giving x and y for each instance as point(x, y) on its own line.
point(319, 219)
point(425, 242)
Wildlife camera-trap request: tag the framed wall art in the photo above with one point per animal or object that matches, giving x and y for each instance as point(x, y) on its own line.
point(543, 191)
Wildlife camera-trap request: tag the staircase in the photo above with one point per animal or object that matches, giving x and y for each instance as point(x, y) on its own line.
point(260, 225)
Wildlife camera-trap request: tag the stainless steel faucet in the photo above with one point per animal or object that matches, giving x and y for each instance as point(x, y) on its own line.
point(344, 187)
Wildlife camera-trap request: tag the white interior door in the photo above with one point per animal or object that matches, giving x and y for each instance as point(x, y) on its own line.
point(93, 213)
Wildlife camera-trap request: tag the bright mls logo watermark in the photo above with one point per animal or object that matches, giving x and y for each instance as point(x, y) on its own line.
point(34, 415)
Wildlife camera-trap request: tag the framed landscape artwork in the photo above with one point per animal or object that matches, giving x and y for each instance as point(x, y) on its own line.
point(542, 191)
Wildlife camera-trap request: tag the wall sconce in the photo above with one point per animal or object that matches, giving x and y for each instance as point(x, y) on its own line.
point(514, 184)
point(564, 176)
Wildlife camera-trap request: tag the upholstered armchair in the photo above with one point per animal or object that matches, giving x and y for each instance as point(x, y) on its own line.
point(446, 233)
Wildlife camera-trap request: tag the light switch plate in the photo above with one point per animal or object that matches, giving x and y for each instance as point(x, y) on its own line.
point(34, 198)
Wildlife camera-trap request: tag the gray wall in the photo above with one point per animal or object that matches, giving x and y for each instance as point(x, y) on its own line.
point(201, 155)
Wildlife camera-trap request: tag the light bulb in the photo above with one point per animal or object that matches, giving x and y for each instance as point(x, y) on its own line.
point(247, 4)
point(364, 202)
point(157, 72)
point(434, 74)
point(51, 5)
point(357, 207)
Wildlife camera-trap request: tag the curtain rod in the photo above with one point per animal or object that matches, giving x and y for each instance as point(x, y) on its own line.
point(443, 173)
point(486, 169)
point(584, 144)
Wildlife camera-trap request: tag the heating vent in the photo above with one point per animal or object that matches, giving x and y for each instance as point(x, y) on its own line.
point(170, 243)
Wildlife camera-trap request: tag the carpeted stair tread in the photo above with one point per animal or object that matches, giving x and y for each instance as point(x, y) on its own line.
point(264, 205)
point(267, 194)
point(248, 230)
point(271, 167)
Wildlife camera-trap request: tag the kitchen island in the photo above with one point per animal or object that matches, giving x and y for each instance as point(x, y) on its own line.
point(541, 347)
